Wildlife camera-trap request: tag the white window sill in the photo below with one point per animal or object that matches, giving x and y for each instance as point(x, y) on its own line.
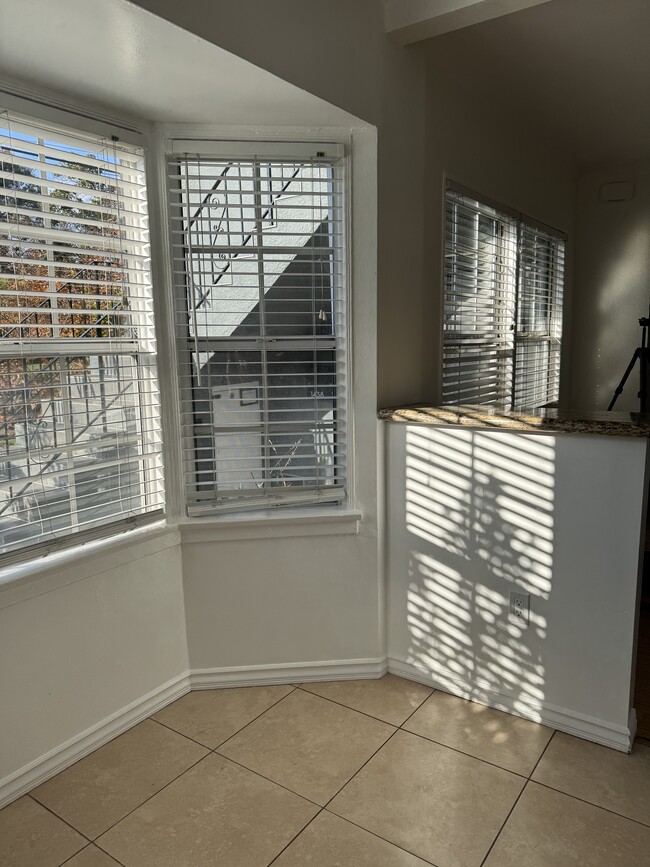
point(273, 524)
point(23, 581)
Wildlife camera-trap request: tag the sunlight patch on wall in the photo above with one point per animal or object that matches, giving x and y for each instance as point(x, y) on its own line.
point(479, 508)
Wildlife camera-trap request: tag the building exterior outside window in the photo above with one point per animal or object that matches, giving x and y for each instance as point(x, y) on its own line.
point(257, 239)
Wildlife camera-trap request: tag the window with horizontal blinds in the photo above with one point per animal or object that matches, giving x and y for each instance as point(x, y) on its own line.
point(257, 259)
point(80, 447)
point(502, 316)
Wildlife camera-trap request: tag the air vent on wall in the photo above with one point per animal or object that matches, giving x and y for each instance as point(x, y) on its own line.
point(616, 191)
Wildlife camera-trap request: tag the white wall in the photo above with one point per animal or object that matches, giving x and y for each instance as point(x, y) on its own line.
point(315, 599)
point(289, 600)
point(339, 52)
point(612, 286)
point(257, 601)
point(277, 602)
point(80, 642)
point(479, 141)
point(474, 515)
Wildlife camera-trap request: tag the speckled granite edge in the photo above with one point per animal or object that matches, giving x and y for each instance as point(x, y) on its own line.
point(620, 424)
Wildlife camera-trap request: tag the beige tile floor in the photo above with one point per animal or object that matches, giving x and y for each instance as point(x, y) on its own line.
point(384, 773)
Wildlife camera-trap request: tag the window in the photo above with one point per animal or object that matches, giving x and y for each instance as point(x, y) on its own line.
point(79, 429)
point(257, 254)
point(502, 319)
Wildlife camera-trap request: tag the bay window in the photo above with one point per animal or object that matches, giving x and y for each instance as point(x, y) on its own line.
point(80, 448)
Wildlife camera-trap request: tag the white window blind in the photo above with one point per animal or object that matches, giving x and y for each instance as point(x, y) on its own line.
point(257, 247)
point(502, 318)
point(80, 450)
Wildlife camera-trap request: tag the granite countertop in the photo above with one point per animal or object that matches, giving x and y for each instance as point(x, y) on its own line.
point(620, 424)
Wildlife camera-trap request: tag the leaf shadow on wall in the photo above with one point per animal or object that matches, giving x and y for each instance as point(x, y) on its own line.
point(479, 513)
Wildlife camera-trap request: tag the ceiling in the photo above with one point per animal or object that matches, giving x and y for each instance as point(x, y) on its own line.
point(410, 21)
point(123, 59)
point(577, 70)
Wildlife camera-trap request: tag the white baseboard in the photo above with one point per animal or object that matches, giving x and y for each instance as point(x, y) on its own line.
point(564, 720)
point(81, 745)
point(292, 672)
point(58, 759)
point(61, 757)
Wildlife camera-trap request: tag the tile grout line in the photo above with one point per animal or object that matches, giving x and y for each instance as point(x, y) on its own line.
point(176, 732)
point(325, 807)
point(93, 840)
point(591, 804)
point(433, 692)
point(268, 779)
point(210, 752)
point(576, 797)
point(505, 821)
point(379, 837)
point(358, 771)
point(527, 778)
point(295, 837)
point(91, 843)
point(530, 775)
point(511, 810)
point(365, 713)
point(146, 800)
point(56, 815)
point(463, 753)
point(68, 860)
point(251, 721)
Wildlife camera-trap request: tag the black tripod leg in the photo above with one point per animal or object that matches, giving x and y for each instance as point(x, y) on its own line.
point(619, 388)
point(643, 392)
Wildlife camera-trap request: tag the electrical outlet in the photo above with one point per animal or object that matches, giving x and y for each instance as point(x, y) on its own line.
point(520, 607)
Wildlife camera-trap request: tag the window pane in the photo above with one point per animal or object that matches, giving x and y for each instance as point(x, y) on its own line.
point(260, 318)
point(266, 419)
point(70, 435)
point(295, 291)
point(502, 307)
point(79, 423)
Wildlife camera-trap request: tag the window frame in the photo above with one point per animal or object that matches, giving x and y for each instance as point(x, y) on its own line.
point(514, 338)
point(63, 124)
point(290, 518)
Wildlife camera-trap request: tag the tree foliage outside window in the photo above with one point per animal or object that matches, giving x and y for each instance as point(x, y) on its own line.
point(79, 448)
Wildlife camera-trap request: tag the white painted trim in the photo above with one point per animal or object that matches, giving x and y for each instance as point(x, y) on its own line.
point(564, 720)
point(632, 725)
point(262, 132)
point(290, 672)
point(61, 757)
point(271, 525)
point(360, 140)
point(49, 105)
